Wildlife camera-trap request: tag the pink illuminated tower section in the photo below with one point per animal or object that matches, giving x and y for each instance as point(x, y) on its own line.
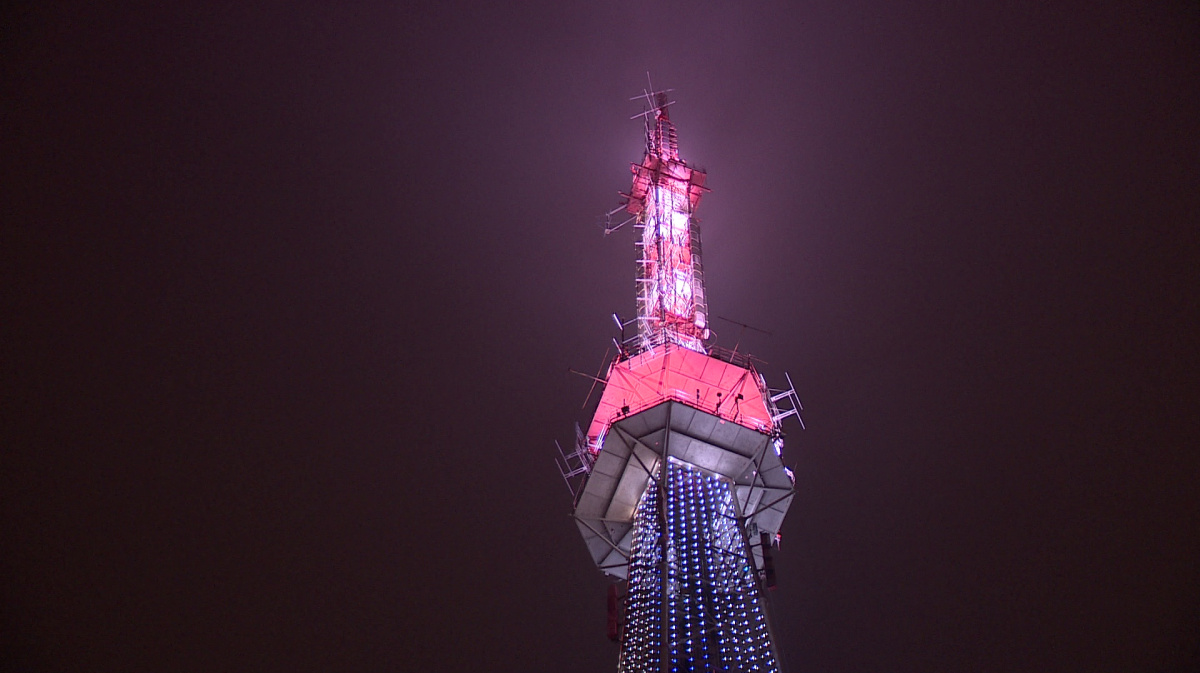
point(679, 482)
point(664, 196)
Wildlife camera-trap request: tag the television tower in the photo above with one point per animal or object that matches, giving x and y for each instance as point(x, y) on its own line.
point(679, 484)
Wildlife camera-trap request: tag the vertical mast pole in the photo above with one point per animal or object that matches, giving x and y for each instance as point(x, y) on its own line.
point(664, 495)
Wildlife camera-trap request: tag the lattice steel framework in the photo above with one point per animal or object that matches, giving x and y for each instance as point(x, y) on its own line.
point(663, 197)
point(679, 483)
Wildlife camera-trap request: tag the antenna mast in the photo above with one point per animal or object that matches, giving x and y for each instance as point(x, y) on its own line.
point(671, 303)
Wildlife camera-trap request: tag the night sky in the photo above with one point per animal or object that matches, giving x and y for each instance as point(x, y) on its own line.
point(290, 294)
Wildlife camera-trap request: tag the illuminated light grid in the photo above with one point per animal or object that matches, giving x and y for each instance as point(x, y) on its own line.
point(714, 618)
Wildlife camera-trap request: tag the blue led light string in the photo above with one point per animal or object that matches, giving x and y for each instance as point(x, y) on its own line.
point(715, 621)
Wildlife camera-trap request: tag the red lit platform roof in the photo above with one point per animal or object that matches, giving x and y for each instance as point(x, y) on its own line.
point(672, 372)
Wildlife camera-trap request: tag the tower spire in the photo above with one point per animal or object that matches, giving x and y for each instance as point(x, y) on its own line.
point(672, 306)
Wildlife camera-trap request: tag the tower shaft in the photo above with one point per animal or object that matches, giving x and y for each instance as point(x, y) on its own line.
point(698, 605)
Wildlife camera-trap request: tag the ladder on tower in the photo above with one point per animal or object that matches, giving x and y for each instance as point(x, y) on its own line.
point(576, 465)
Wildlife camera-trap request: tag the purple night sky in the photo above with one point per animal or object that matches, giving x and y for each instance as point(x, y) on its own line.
point(290, 294)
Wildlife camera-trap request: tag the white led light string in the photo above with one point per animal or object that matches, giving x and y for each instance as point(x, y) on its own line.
point(715, 621)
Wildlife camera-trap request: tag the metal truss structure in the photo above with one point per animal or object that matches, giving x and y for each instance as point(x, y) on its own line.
point(671, 303)
point(678, 482)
